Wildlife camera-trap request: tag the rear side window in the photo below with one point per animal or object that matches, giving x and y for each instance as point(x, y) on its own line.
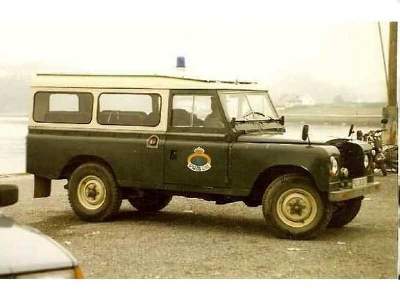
point(129, 109)
point(74, 108)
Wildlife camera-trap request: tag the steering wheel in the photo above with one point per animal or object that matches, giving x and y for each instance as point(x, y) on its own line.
point(253, 113)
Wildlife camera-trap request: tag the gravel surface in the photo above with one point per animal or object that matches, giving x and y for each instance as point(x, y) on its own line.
point(198, 239)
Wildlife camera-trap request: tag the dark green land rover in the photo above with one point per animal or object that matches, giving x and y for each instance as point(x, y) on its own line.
point(147, 138)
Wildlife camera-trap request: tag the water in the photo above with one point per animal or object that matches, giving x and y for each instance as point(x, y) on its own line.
point(324, 132)
point(13, 131)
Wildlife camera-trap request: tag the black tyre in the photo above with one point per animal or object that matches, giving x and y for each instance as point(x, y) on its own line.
point(394, 160)
point(382, 166)
point(8, 194)
point(150, 202)
point(93, 193)
point(391, 155)
point(345, 212)
point(294, 209)
point(395, 166)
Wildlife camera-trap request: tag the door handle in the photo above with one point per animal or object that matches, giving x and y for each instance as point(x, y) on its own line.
point(173, 155)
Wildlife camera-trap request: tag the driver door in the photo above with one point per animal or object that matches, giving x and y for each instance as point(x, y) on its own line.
point(196, 149)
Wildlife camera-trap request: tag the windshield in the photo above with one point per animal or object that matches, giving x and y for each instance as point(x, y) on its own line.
point(248, 106)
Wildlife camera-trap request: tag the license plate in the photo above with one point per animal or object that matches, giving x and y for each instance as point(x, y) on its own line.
point(359, 182)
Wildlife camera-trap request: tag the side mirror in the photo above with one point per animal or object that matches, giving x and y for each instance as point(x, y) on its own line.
point(8, 195)
point(351, 131)
point(282, 120)
point(304, 134)
point(384, 121)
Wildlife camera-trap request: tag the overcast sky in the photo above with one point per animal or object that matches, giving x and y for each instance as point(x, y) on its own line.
point(228, 44)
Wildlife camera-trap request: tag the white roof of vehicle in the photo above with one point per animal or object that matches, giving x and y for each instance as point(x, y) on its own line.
point(138, 81)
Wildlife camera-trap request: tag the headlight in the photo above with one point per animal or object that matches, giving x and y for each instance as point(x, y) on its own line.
point(75, 273)
point(373, 152)
point(366, 161)
point(334, 166)
point(344, 172)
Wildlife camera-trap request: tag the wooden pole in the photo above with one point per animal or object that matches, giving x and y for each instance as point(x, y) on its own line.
point(391, 109)
point(392, 93)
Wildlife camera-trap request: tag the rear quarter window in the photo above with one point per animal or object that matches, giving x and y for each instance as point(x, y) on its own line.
point(72, 108)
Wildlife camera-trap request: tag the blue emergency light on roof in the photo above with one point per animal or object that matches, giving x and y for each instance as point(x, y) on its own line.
point(180, 62)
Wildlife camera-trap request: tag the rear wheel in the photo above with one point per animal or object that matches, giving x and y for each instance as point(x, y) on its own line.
point(93, 192)
point(150, 202)
point(345, 212)
point(294, 209)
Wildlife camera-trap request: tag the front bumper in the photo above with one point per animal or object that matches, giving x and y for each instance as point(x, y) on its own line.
point(350, 193)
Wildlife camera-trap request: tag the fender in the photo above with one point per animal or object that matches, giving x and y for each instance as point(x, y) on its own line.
point(250, 160)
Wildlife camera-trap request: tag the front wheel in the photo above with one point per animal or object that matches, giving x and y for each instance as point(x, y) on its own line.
point(294, 209)
point(150, 202)
point(345, 212)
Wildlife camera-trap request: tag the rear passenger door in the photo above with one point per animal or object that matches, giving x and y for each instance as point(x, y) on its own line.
point(196, 150)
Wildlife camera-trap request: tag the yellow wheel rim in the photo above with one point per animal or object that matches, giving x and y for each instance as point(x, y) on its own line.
point(91, 192)
point(296, 208)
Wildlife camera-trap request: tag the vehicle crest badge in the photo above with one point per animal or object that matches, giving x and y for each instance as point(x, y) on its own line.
point(199, 161)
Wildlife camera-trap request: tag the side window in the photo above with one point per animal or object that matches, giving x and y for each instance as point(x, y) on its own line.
point(64, 102)
point(129, 109)
point(196, 111)
point(74, 108)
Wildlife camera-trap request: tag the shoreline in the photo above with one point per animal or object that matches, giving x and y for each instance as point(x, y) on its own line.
point(8, 175)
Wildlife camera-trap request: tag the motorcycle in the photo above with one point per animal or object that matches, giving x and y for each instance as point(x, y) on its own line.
point(374, 138)
point(385, 157)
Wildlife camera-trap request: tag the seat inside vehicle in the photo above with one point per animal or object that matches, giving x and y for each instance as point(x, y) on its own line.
point(67, 117)
point(182, 118)
point(116, 117)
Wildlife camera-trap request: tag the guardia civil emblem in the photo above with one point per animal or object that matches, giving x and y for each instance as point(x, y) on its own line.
point(199, 161)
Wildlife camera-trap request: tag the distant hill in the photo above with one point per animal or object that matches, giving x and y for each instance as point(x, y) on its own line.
point(326, 92)
point(15, 89)
point(15, 92)
point(14, 96)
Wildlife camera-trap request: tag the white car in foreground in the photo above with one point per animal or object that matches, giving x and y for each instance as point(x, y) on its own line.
point(27, 253)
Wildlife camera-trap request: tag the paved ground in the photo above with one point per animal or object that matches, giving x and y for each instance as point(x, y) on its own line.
point(197, 239)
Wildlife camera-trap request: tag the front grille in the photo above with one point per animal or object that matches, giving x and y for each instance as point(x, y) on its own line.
point(352, 158)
